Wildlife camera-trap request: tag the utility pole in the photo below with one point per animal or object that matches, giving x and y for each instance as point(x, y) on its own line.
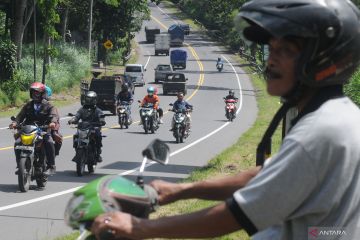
point(34, 2)
point(90, 25)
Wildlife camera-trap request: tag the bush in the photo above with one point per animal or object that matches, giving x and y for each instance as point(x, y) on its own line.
point(68, 68)
point(352, 89)
point(7, 59)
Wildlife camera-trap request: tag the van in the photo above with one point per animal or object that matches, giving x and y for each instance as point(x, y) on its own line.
point(136, 73)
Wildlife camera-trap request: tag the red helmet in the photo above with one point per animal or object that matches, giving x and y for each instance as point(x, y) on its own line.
point(37, 91)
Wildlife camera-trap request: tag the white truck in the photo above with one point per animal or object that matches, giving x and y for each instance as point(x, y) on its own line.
point(162, 44)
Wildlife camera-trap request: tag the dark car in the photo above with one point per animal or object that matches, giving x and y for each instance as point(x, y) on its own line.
point(107, 89)
point(185, 28)
point(174, 83)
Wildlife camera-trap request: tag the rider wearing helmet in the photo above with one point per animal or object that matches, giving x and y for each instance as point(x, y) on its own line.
point(181, 104)
point(125, 96)
point(90, 113)
point(42, 112)
point(231, 95)
point(151, 97)
point(314, 179)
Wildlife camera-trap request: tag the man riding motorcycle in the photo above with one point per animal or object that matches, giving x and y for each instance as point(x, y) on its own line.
point(219, 63)
point(231, 95)
point(42, 112)
point(125, 96)
point(92, 114)
point(181, 104)
point(151, 97)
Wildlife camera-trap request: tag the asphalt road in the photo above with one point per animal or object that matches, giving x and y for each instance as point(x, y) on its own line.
point(38, 214)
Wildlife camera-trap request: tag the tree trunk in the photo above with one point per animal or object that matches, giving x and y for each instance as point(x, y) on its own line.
point(64, 22)
point(17, 31)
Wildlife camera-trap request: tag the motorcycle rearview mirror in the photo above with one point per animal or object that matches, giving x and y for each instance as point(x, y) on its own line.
point(171, 104)
point(156, 151)
point(71, 114)
point(13, 118)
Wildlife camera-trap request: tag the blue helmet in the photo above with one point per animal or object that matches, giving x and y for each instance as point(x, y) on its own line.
point(48, 91)
point(150, 90)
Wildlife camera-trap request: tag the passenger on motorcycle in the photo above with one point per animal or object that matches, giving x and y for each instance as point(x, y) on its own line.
point(92, 114)
point(231, 95)
point(41, 112)
point(55, 134)
point(125, 96)
point(181, 104)
point(151, 97)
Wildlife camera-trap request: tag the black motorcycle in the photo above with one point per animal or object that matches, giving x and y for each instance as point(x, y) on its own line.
point(149, 118)
point(181, 129)
point(123, 111)
point(84, 142)
point(30, 155)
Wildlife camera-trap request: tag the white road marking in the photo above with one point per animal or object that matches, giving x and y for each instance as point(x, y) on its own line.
point(147, 62)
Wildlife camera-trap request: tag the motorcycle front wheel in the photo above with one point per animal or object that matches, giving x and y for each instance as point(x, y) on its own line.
point(146, 126)
point(80, 164)
point(24, 174)
point(177, 135)
point(91, 161)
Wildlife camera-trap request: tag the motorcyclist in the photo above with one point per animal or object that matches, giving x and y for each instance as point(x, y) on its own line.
point(42, 112)
point(125, 96)
point(231, 95)
point(92, 114)
point(219, 63)
point(312, 182)
point(181, 104)
point(154, 99)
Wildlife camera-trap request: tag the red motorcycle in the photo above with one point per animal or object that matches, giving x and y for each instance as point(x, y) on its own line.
point(230, 109)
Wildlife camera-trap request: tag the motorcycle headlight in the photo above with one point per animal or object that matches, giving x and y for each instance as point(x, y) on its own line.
point(83, 134)
point(72, 212)
point(28, 139)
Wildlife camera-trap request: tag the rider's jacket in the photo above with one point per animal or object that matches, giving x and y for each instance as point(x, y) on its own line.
point(91, 114)
point(180, 105)
point(230, 97)
point(42, 113)
point(154, 99)
point(124, 97)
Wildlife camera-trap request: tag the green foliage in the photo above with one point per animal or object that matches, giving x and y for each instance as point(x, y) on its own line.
point(7, 59)
point(352, 89)
point(118, 24)
point(66, 70)
point(2, 22)
point(69, 67)
point(48, 10)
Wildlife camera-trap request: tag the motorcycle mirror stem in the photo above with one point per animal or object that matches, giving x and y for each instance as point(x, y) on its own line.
point(140, 178)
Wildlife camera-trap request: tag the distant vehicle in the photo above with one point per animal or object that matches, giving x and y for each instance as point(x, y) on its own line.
point(176, 35)
point(178, 58)
point(162, 44)
point(136, 73)
point(150, 33)
point(185, 28)
point(107, 89)
point(161, 70)
point(175, 83)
